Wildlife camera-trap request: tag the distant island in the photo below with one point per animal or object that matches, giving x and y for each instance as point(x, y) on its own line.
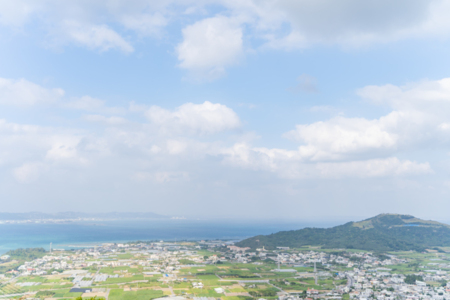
point(385, 232)
point(38, 217)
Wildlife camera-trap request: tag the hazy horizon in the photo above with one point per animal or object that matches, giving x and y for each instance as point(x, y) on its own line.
point(320, 221)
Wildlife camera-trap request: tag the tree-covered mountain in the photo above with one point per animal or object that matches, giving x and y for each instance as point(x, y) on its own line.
point(385, 232)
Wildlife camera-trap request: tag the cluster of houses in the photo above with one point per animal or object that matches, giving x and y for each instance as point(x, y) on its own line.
point(153, 257)
point(381, 284)
point(366, 275)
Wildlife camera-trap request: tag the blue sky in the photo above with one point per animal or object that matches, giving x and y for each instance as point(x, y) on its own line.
point(260, 109)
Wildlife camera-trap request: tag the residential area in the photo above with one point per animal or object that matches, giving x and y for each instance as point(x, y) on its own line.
point(208, 270)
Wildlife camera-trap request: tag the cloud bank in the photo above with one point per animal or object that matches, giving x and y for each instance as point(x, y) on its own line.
point(195, 145)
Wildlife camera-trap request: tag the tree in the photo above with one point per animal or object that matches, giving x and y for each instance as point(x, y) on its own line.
point(411, 279)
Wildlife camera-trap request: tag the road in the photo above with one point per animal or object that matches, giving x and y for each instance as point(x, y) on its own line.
point(350, 281)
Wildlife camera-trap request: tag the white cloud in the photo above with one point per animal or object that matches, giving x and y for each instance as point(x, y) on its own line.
point(341, 136)
point(293, 165)
point(347, 23)
point(425, 95)
point(25, 93)
point(106, 120)
point(217, 37)
point(177, 153)
point(189, 118)
point(176, 147)
point(161, 177)
point(28, 172)
point(95, 37)
point(340, 147)
point(86, 103)
point(209, 46)
point(91, 104)
point(145, 24)
point(418, 119)
point(15, 13)
point(31, 151)
point(64, 148)
point(358, 147)
point(373, 168)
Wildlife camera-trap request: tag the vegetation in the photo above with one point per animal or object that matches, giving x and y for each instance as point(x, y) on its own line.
point(26, 254)
point(382, 233)
point(263, 293)
point(18, 256)
point(411, 279)
point(45, 294)
point(119, 294)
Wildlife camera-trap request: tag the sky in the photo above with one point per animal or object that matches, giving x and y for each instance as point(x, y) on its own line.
point(249, 109)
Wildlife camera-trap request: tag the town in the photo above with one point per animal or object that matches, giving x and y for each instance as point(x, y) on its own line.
point(208, 270)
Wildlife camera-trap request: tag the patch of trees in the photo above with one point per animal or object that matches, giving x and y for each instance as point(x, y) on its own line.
point(381, 256)
point(356, 258)
point(411, 279)
point(187, 262)
point(26, 254)
point(263, 293)
point(44, 294)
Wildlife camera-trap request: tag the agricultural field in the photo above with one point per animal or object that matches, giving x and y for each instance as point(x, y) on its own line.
point(218, 270)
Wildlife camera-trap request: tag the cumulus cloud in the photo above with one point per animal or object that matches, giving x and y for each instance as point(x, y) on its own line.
point(86, 103)
point(343, 146)
point(195, 149)
point(31, 150)
point(161, 177)
point(145, 24)
point(429, 95)
point(106, 120)
point(293, 165)
point(340, 147)
point(209, 46)
point(335, 138)
point(178, 152)
point(215, 39)
point(91, 104)
point(96, 37)
point(189, 118)
point(24, 93)
point(28, 172)
point(391, 166)
point(418, 119)
point(348, 23)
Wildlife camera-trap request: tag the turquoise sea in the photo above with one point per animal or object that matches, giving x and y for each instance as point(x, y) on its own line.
point(77, 234)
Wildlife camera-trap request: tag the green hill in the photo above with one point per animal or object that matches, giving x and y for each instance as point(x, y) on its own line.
point(385, 232)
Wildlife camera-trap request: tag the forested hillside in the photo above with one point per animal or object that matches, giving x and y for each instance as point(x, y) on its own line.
point(386, 232)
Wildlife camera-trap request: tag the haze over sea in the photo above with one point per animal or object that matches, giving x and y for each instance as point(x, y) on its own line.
point(77, 234)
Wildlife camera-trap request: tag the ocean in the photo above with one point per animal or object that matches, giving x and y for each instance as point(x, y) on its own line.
point(79, 234)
